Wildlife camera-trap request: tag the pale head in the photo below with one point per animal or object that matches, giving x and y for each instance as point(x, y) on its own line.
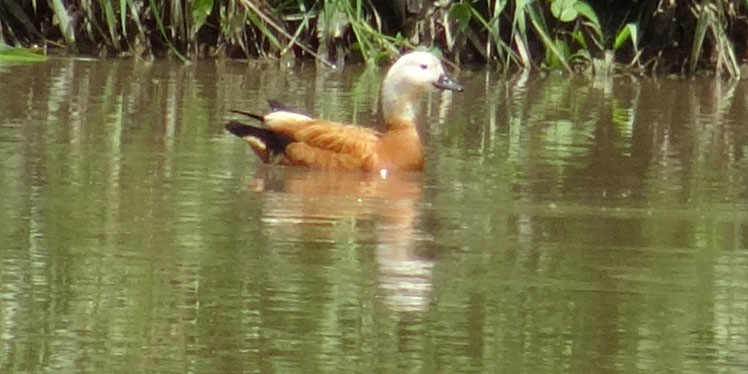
point(408, 79)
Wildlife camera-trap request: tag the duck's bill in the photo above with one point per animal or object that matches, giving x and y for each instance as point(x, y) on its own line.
point(446, 83)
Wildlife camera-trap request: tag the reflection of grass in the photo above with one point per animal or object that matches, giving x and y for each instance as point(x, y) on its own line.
point(570, 35)
point(122, 185)
point(571, 130)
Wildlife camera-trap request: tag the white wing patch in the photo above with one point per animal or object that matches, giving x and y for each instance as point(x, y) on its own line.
point(282, 116)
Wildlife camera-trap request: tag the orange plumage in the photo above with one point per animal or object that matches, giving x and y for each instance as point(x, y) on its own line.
point(290, 138)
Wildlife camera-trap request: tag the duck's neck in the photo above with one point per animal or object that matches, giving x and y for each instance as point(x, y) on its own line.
point(399, 107)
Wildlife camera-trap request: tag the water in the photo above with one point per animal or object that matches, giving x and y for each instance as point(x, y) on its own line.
point(562, 225)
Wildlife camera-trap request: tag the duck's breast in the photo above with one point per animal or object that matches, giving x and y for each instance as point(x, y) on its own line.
point(400, 149)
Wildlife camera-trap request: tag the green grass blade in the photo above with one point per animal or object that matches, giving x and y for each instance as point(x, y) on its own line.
point(254, 9)
point(519, 33)
point(726, 51)
point(159, 22)
point(492, 28)
point(123, 16)
point(538, 24)
point(520, 13)
point(136, 19)
point(177, 22)
point(257, 22)
point(303, 25)
point(200, 12)
point(21, 16)
point(111, 21)
point(586, 11)
point(18, 55)
point(64, 22)
point(498, 7)
point(628, 32)
point(698, 38)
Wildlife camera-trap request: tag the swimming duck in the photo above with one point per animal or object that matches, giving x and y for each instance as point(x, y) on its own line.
point(291, 138)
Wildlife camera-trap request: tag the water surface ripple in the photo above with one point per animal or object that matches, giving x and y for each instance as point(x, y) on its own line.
point(562, 225)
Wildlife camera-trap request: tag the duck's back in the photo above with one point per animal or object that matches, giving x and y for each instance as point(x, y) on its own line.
point(325, 144)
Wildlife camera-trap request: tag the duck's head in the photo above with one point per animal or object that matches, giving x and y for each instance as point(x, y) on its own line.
point(416, 72)
point(411, 76)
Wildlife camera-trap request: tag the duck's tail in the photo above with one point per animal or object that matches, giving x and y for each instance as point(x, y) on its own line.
point(241, 130)
point(267, 144)
point(275, 106)
point(258, 117)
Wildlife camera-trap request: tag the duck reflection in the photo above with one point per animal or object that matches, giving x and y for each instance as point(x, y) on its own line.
point(307, 205)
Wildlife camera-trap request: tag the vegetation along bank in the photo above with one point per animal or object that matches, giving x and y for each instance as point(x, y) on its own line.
point(642, 36)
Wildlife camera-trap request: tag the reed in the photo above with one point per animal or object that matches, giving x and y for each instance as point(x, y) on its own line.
point(662, 37)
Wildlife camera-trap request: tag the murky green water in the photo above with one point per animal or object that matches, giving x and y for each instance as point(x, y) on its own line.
point(562, 225)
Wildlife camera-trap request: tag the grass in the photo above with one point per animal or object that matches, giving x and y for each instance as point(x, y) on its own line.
point(568, 35)
point(10, 54)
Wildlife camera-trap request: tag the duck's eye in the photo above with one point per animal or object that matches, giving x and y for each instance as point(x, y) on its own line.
point(424, 67)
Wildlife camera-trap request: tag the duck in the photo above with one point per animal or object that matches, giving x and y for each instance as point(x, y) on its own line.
point(288, 137)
